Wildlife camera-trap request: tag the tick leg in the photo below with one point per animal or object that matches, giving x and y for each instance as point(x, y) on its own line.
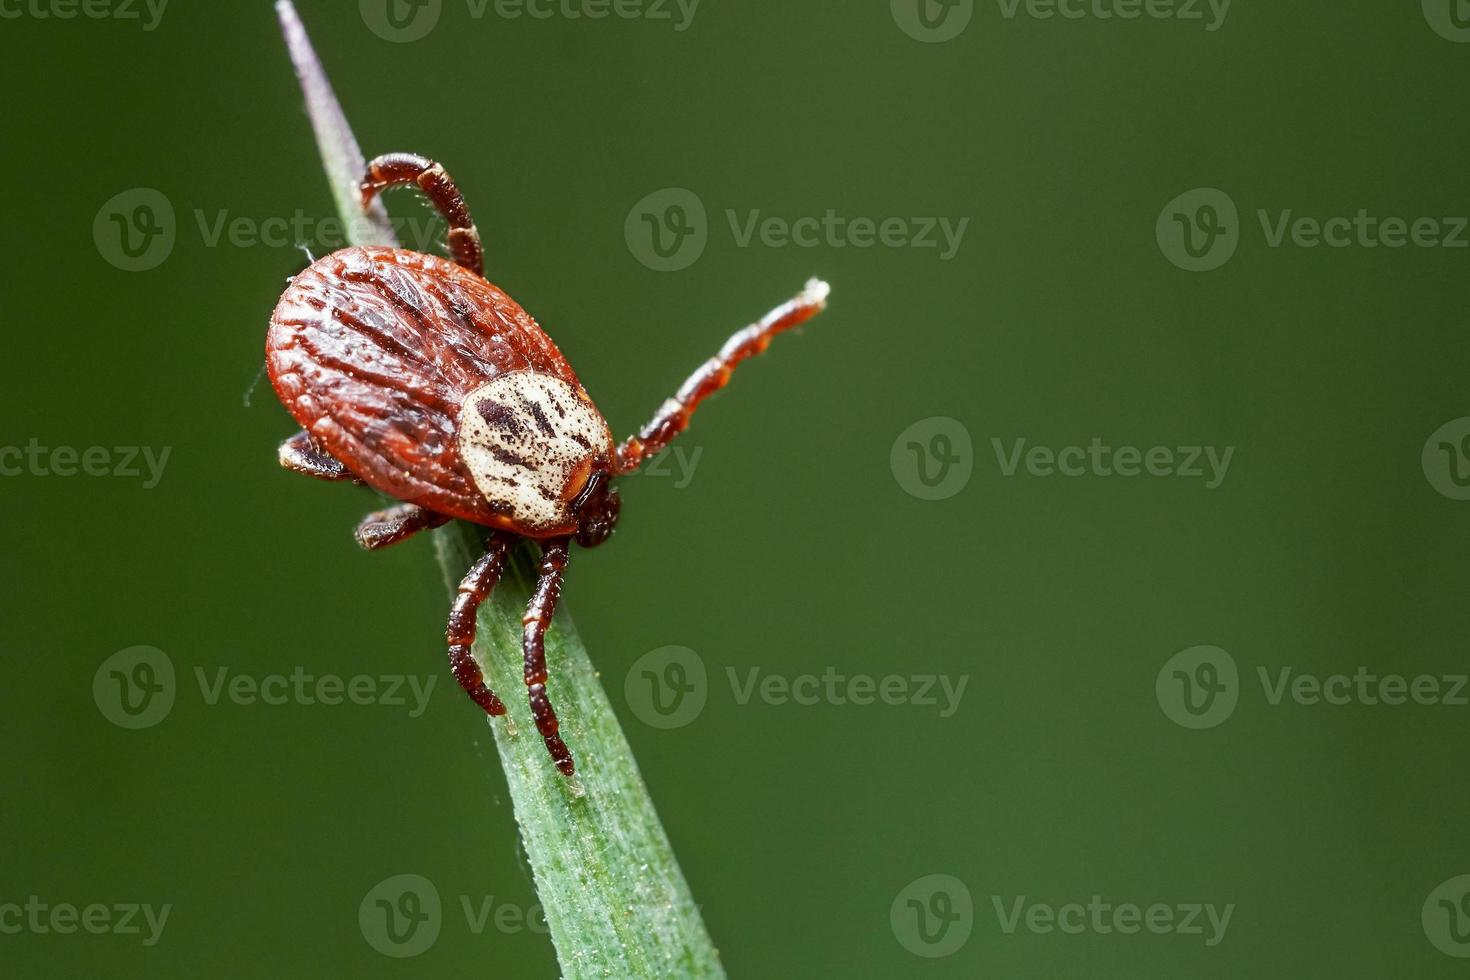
point(397, 169)
point(384, 527)
point(460, 633)
point(554, 555)
point(673, 417)
point(300, 455)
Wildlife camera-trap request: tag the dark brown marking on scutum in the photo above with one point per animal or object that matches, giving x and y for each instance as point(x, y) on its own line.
point(499, 416)
point(542, 421)
point(506, 456)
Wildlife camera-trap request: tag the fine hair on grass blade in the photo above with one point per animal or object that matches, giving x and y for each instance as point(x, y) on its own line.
point(615, 900)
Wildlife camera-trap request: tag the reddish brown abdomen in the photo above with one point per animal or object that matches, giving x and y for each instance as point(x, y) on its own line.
point(374, 349)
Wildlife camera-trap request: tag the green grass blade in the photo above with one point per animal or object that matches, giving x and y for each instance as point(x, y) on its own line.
point(616, 902)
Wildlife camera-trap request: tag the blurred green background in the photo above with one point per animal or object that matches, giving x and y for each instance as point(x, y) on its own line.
point(802, 542)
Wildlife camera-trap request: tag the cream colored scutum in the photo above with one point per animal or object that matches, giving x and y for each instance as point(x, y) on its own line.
point(523, 437)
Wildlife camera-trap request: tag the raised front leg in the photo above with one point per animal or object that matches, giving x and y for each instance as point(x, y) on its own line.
point(460, 633)
point(300, 455)
point(397, 169)
point(384, 527)
point(673, 417)
point(554, 555)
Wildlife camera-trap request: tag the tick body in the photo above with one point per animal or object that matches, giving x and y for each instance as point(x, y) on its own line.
point(414, 375)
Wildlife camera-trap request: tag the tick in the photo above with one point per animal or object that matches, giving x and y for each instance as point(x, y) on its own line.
point(414, 375)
